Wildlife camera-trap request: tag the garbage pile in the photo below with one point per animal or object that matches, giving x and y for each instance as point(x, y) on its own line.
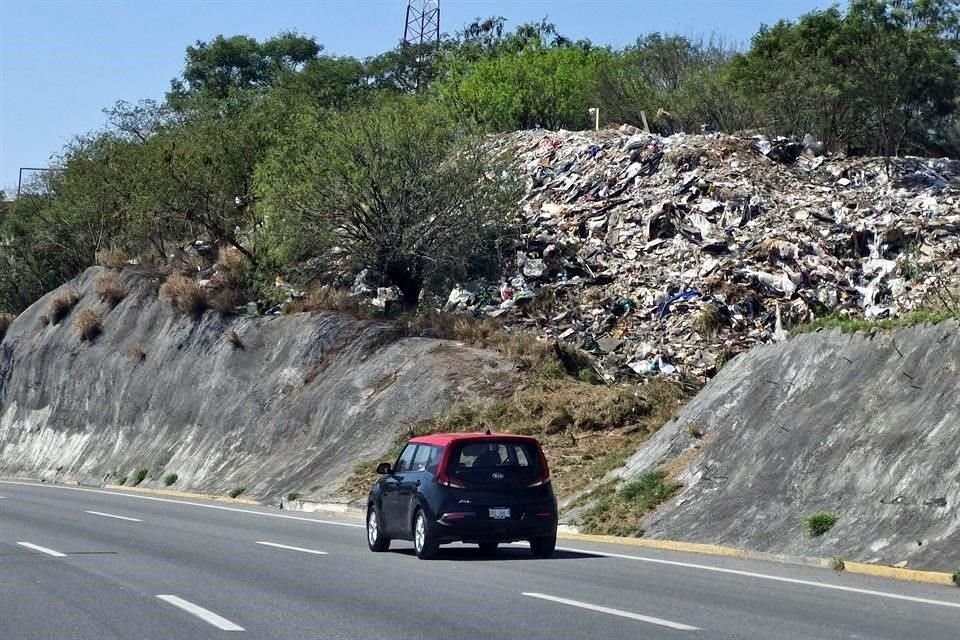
point(668, 255)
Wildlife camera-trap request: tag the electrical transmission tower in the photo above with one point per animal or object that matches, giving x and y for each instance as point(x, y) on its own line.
point(422, 33)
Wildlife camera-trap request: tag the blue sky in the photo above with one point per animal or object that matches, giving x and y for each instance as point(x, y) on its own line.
point(62, 62)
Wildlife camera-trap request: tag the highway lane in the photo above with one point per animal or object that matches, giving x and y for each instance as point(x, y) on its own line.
point(314, 578)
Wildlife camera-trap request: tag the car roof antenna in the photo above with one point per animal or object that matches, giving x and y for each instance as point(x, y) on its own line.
point(488, 432)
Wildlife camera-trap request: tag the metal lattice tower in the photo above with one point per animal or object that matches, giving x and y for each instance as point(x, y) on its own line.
point(422, 34)
point(423, 22)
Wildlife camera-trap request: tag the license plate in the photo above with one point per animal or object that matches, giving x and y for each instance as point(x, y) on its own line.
point(499, 514)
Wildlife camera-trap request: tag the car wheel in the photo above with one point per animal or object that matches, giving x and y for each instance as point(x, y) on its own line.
point(488, 548)
point(424, 539)
point(376, 539)
point(544, 546)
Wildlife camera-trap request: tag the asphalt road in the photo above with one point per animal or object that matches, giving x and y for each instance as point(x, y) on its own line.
point(80, 563)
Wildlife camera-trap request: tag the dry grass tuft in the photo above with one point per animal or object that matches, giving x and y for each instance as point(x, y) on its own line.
point(233, 338)
point(112, 258)
point(327, 298)
point(227, 289)
point(6, 319)
point(708, 321)
point(136, 353)
point(184, 294)
point(87, 323)
point(61, 304)
point(110, 288)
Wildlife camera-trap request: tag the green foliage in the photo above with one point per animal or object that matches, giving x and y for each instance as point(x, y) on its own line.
point(956, 577)
point(874, 79)
point(819, 523)
point(853, 325)
point(139, 476)
point(536, 86)
point(398, 188)
point(679, 84)
point(169, 479)
point(837, 563)
point(122, 480)
point(216, 68)
point(293, 495)
point(236, 491)
point(650, 490)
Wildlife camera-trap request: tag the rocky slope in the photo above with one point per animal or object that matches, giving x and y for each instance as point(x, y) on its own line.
point(292, 404)
point(864, 426)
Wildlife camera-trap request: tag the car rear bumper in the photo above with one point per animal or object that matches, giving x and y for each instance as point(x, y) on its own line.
point(482, 529)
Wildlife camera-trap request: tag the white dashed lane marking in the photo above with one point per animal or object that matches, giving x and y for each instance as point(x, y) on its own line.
point(289, 548)
point(670, 624)
point(115, 517)
point(36, 547)
point(204, 614)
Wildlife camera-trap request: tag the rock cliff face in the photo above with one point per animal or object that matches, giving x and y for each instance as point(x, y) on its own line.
point(293, 405)
point(866, 427)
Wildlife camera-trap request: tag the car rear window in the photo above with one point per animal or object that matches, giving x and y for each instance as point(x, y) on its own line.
point(474, 462)
point(496, 454)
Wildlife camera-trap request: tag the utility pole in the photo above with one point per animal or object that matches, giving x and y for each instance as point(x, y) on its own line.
point(421, 31)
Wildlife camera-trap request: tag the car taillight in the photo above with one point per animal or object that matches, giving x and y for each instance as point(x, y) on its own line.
point(544, 477)
point(443, 479)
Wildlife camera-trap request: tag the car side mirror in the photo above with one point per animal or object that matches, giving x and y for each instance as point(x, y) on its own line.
point(384, 469)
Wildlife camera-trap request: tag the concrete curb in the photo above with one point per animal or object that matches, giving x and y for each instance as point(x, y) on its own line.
point(182, 494)
point(861, 568)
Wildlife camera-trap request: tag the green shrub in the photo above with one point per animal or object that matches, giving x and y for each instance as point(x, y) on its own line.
point(293, 495)
point(956, 577)
point(819, 523)
point(650, 490)
point(837, 563)
point(236, 491)
point(122, 480)
point(169, 479)
point(139, 476)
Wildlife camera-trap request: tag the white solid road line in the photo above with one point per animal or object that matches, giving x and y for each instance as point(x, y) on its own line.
point(204, 614)
point(110, 515)
point(189, 504)
point(49, 552)
point(764, 576)
point(615, 612)
point(301, 549)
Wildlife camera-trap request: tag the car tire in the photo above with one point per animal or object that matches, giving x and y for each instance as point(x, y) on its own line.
point(424, 537)
point(488, 548)
point(544, 546)
point(376, 539)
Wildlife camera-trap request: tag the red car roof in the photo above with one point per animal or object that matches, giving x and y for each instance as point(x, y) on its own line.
point(443, 439)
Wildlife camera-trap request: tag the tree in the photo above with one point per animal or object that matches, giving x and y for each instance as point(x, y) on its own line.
point(880, 76)
point(537, 86)
point(398, 189)
point(214, 69)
